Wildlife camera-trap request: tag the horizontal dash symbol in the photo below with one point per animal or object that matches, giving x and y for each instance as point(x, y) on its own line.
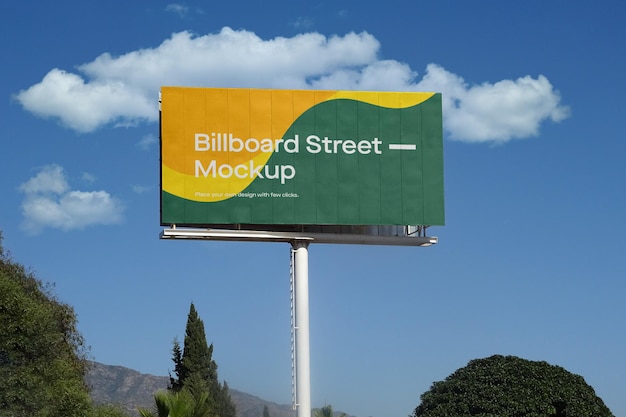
point(402, 147)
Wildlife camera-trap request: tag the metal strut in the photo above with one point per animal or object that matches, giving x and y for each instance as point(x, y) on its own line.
point(292, 283)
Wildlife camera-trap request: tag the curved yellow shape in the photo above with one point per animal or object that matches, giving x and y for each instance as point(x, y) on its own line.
point(392, 100)
point(213, 187)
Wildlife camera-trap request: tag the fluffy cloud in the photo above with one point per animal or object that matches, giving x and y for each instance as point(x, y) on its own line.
point(123, 90)
point(85, 106)
point(508, 109)
point(49, 202)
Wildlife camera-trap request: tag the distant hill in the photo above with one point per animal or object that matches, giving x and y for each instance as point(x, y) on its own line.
point(131, 389)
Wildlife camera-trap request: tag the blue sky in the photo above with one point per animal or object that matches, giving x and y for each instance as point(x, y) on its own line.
point(530, 262)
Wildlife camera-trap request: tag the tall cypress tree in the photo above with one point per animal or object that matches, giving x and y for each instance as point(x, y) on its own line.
point(177, 358)
point(196, 371)
point(226, 407)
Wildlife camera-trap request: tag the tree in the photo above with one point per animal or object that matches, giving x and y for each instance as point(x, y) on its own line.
point(177, 358)
point(179, 404)
point(266, 411)
point(108, 410)
point(42, 354)
point(511, 386)
point(196, 371)
point(196, 359)
point(326, 411)
point(225, 404)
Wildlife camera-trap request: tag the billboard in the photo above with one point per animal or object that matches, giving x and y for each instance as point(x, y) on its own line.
point(300, 157)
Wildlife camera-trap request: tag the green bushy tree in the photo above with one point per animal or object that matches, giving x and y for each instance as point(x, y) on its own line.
point(42, 354)
point(509, 386)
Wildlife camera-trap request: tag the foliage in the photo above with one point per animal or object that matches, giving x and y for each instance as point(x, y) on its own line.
point(177, 358)
point(179, 404)
point(198, 356)
point(108, 410)
point(326, 411)
point(225, 404)
point(195, 370)
point(42, 354)
point(195, 363)
point(511, 386)
point(266, 411)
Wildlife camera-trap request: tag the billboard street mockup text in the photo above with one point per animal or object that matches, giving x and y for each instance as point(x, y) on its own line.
point(300, 157)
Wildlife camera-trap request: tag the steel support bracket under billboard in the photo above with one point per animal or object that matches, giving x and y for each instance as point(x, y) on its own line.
point(269, 236)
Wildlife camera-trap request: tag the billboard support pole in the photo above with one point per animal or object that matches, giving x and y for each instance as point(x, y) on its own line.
point(302, 354)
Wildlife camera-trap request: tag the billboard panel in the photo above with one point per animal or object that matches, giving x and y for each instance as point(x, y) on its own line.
point(300, 157)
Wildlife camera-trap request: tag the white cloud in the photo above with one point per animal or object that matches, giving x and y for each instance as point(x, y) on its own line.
point(85, 106)
point(302, 23)
point(49, 202)
point(177, 8)
point(147, 141)
point(494, 112)
point(88, 177)
point(141, 189)
point(385, 75)
point(50, 180)
point(123, 90)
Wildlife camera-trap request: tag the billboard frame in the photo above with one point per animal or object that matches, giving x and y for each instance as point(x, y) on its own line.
point(370, 234)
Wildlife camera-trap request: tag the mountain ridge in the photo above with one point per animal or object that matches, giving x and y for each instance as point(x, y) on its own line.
point(130, 389)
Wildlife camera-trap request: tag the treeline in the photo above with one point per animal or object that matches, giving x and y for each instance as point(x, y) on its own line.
point(44, 359)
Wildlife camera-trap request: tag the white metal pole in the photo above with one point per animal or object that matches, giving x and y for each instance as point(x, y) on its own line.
point(303, 355)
